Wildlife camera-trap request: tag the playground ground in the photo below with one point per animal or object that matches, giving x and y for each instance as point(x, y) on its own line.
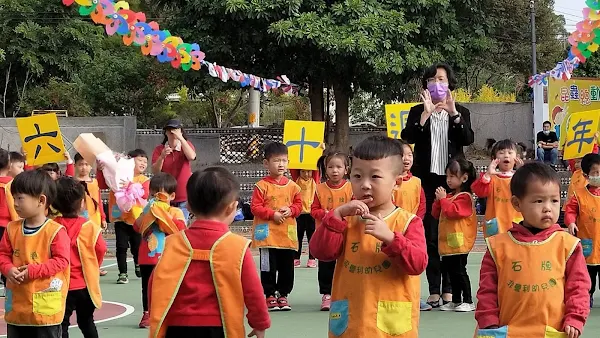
point(120, 317)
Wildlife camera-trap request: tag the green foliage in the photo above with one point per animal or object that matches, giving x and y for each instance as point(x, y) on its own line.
point(56, 95)
point(366, 107)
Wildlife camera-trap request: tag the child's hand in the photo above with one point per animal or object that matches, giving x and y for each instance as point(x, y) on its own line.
point(12, 275)
point(104, 225)
point(99, 165)
point(68, 157)
point(286, 211)
point(519, 162)
point(573, 229)
point(376, 227)
point(440, 193)
point(572, 332)
point(23, 274)
point(492, 167)
point(353, 208)
point(278, 217)
point(257, 333)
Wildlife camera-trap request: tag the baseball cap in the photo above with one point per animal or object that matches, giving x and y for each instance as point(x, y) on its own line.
point(172, 124)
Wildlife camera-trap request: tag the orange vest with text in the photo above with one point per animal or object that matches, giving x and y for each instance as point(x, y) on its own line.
point(268, 234)
point(381, 301)
point(10, 202)
point(457, 236)
point(31, 303)
point(578, 181)
point(332, 198)
point(86, 245)
point(225, 257)
point(92, 210)
point(531, 283)
point(588, 223)
point(499, 206)
point(116, 214)
point(307, 191)
point(408, 195)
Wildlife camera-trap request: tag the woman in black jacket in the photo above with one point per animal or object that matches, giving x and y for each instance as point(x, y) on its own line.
point(439, 129)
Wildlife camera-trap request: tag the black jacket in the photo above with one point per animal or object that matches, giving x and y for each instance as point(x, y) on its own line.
point(459, 135)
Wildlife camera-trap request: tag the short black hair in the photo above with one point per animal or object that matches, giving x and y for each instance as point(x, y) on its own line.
point(378, 147)
point(275, 149)
point(432, 70)
point(51, 167)
point(137, 153)
point(4, 159)
point(211, 190)
point(163, 182)
point(77, 158)
point(34, 183)
point(16, 156)
point(588, 162)
point(70, 193)
point(547, 122)
point(530, 172)
point(503, 145)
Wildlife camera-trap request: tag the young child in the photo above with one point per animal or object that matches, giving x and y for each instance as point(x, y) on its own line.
point(582, 217)
point(408, 194)
point(380, 250)
point(7, 210)
point(207, 274)
point(336, 191)
point(495, 186)
point(457, 230)
point(17, 164)
point(40, 270)
point(533, 279)
point(54, 170)
point(276, 202)
point(307, 180)
point(158, 220)
point(93, 210)
point(87, 253)
point(126, 236)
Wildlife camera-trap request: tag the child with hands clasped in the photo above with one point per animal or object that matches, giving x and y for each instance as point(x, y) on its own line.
point(307, 180)
point(533, 279)
point(457, 231)
point(379, 248)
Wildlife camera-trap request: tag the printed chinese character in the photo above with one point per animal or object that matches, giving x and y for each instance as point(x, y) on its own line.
point(354, 246)
point(552, 282)
point(545, 286)
point(16, 253)
point(352, 268)
point(525, 288)
point(359, 270)
point(378, 269)
point(368, 270)
point(564, 94)
point(574, 92)
point(584, 97)
point(546, 266)
point(517, 287)
point(386, 264)
point(34, 256)
point(511, 284)
point(36, 138)
point(303, 143)
point(346, 263)
point(342, 200)
point(516, 266)
point(535, 288)
point(378, 247)
point(581, 130)
point(595, 93)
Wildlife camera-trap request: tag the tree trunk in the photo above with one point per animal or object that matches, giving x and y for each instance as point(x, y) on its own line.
point(315, 95)
point(341, 91)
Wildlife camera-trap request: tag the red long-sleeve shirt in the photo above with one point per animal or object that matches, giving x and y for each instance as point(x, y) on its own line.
point(59, 251)
point(407, 250)
point(258, 205)
point(196, 302)
point(73, 226)
point(7, 211)
point(460, 207)
point(572, 206)
point(577, 283)
point(422, 201)
point(481, 186)
point(316, 210)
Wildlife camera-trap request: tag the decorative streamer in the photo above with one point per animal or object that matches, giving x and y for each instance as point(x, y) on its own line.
point(118, 19)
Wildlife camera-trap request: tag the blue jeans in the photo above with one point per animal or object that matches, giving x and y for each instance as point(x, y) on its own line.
point(547, 155)
point(184, 209)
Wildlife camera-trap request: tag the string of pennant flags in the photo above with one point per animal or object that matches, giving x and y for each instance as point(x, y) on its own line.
point(118, 19)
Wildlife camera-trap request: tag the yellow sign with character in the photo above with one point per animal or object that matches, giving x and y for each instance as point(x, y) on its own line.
point(395, 117)
point(41, 139)
point(580, 138)
point(304, 141)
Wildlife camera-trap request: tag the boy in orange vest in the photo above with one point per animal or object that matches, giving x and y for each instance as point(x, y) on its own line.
point(207, 274)
point(409, 195)
point(87, 252)
point(34, 257)
point(533, 279)
point(380, 250)
point(307, 180)
point(276, 202)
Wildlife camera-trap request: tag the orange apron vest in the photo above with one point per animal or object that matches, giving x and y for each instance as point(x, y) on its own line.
point(499, 209)
point(531, 275)
point(307, 190)
point(86, 246)
point(457, 236)
point(225, 257)
point(578, 181)
point(116, 214)
point(408, 195)
point(10, 201)
point(268, 234)
point(588, 223)
point(34, 303)
point(332, 198)
point(382, 300)
point(161, 213)
point(92, 210)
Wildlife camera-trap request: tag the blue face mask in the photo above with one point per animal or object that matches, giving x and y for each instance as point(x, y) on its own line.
point(438, 90)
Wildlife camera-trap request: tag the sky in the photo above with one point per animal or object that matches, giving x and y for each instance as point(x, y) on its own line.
point(571, 10)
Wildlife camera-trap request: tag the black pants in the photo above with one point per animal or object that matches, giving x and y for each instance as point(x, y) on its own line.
point(126, 238)
point(13, 331)
point(594, 271)
point(434, 271)
point(277, 271)
point(456, 267)
point(146, 272)
point(306, 224)
point(195, 331)
point(80, 302)
point(326, 270)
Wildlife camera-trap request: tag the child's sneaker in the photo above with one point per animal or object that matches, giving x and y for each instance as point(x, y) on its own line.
point(424, 306)
point(283, 304)
point(465, 307)
point(145, 322)
point(448, 307)
point(312, 263)
point(138, 271)
point(272, 304)
point(103, 272)
point(296, 263)
point(123, 279)
point(326, 303)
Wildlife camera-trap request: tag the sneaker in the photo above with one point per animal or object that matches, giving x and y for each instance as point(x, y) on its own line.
point(326, 303)
point(296, 263)
point(138, 271)
point(283, 304)
point(424, 306)
point(448, 307)
point(272, 304)
point(465, 307)
point(122, 279)
point(312, 263)
point(103, 272)
point(145, 322)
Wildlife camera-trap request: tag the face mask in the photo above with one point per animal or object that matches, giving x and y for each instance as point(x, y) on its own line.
point(547, 132)
point(438, 90)
point(594, 181)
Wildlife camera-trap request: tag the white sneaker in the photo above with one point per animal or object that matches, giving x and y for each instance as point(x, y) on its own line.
point(465, 307)
point(448, 307)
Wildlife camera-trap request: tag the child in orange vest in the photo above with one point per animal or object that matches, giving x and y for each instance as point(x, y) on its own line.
point(380, 250)
point(307, 180)
point(87, 253)
point(533, 279)
point(578, 179)
point(276, 202)
point(34, 257)
point(207, 274)
point(583, 219)
point(336, 191)
point(457, 230)
point(158, 220)
point(94, 210)
point(409, 195)
point(495, 186)
point(7, 210)
point(17, 163)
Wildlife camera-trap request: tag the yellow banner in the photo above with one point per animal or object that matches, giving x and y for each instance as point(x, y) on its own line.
point(580, 134)
point(303, 140)
point(41, 139)
point(395, 117)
